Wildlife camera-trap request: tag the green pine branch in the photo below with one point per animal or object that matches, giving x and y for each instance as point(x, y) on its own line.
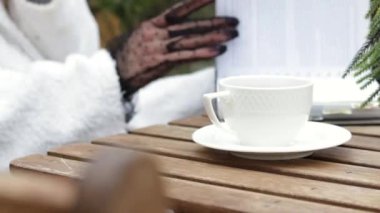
point(366, 64)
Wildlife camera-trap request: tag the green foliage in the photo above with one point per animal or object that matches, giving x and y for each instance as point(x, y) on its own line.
point(366, 63)
point(133, 12)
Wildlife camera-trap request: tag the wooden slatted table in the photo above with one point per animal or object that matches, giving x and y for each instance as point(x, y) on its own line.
point(341, 179)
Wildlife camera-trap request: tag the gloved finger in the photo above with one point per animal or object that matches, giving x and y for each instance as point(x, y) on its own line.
point(192, 31)
point(201, 27)
point(212, 22)
point(179, 12)
point(210, 39)
point(197, 54)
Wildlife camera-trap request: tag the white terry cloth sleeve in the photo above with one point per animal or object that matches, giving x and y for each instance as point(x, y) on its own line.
point(58, 28)
point(172, 98)
point(55, 103)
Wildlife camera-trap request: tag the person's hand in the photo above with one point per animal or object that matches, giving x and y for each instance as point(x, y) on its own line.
point(167, 40)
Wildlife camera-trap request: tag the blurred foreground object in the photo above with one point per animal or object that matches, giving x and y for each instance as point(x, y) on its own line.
point(117, 182)
point(366, 64)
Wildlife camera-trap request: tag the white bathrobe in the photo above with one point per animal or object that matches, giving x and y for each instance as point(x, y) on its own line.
point(57, 86)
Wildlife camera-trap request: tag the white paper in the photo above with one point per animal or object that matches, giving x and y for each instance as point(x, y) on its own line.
point(307, 38)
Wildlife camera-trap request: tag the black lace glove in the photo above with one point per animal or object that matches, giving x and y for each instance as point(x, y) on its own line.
point(159, 44)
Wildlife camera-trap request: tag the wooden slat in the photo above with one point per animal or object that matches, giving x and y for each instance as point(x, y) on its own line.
point(165, 131)
point(371, 159)
point(195, 122)
point(364, 142)
point(181, 133)
point(201, 121)
point(313, 169)
point(49, 165)
point(274, 184)
point(365, 130)
point(350, 156)
point(188, 196)
point(193, 197)
point(358, 141)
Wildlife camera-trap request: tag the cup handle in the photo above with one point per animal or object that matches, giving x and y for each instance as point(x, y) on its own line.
point(207, 102)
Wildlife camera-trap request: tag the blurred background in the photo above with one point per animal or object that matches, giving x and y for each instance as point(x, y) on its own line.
point(122, 16)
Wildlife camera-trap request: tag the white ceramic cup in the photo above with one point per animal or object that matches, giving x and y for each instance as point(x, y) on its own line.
point(262, 110)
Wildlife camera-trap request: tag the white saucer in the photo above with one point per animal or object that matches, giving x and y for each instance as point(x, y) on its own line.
point(313, 137)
